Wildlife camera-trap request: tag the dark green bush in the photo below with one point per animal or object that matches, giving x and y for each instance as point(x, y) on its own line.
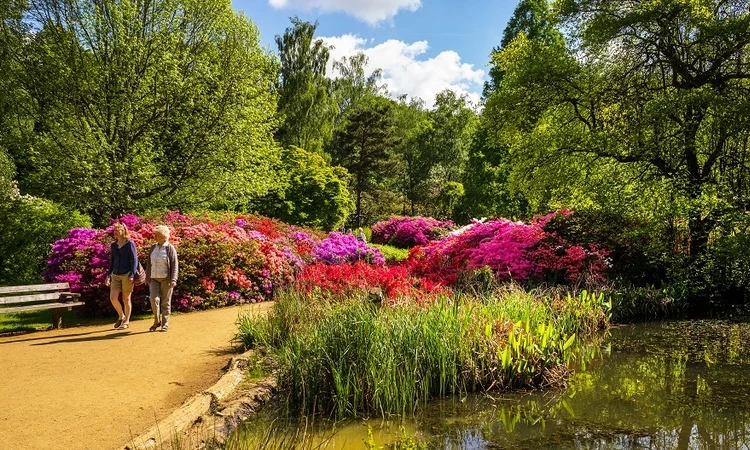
point(639, 252)
point(28, 227)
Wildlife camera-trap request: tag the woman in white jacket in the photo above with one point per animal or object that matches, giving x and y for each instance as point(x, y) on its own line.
point(162, 269)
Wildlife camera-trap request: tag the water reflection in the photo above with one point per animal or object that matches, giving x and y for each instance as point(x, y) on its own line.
point(677, 385)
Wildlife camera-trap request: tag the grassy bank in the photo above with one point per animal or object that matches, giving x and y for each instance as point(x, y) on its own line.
point(349, 357)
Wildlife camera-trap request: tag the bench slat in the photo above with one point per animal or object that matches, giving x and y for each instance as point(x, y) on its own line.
point(34, 288)
point(29, 298)
point(38, 307)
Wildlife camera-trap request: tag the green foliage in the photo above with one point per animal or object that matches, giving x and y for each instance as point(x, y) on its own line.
point(666, 111)
point(7, 171)
point(179, 108)
point(312, 193)
point(363, 147)
point(352, 86)
point(532, 18)
point(487, 191)
point(305, 101)
point(28, 227)
point(391, 253)
point(349, 357)
point(637, 249)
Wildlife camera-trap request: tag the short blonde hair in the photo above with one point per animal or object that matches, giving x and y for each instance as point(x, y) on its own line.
point(122, 229)
point(162, 230)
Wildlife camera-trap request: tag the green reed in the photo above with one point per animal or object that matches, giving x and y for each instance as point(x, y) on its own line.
point(348, 357)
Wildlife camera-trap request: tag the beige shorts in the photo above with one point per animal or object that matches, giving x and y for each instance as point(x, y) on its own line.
point(121, 283)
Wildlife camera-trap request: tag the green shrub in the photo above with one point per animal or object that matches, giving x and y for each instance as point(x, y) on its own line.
point(313, 193)
point(391, 253)
point(28, 227)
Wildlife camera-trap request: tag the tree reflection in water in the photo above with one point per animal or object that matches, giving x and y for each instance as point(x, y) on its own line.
point(676, 385)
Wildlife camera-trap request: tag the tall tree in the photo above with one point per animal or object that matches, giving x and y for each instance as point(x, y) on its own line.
point(364, 145)
point(305, 101)
point(532, 18)
point(413, 152)
point(488, 191)
point(352, 85)
point(447, 144)
point(145, 104)
point(655, 89)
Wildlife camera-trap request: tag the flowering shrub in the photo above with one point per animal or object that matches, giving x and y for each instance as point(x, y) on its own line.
point(226, 260)
point(339, 248)
point(512, 250)
point(406, 232)
point(346, 279)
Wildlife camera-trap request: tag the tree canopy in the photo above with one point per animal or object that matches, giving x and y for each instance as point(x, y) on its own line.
point(134, 105)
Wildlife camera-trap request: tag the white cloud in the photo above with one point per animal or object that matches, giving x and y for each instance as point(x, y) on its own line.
point(371, 11)
point(405, 73)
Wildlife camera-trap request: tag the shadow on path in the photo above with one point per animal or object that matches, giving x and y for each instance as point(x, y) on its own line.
point(92, 338)
point(41, 338)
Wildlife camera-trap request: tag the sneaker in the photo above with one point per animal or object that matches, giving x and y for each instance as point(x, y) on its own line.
point(118, 323)
point(164, 328)
point(123, 326)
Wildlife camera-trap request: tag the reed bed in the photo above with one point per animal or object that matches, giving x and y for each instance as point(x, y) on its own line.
point(348, 357)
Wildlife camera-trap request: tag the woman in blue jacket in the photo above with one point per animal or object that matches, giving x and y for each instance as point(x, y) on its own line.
point(123, 265)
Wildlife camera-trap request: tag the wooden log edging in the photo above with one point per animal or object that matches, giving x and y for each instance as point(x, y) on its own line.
point(206, 414)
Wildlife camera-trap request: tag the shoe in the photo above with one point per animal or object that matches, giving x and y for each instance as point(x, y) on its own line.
point(118, 323)
point(123, 326)
point(164, 328)
point(154, 326)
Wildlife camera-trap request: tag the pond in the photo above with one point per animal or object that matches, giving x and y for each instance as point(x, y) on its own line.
point(673, 385)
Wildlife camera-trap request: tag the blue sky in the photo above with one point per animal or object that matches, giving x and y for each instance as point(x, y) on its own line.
point(423, 46)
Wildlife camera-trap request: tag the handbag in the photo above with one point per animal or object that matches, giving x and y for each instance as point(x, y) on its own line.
point(140, 275)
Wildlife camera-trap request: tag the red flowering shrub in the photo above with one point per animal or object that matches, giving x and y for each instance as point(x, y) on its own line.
point(407, 232)
point(226, 260)
point(512, 250)
point(346, 279)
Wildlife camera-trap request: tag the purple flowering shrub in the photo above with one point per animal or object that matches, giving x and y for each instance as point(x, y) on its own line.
point(226, 260)
point(340, 248)
point(407, 232)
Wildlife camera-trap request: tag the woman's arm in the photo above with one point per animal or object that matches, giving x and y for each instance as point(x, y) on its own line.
point(134, 260)
point(111, 260)
point(174, 264)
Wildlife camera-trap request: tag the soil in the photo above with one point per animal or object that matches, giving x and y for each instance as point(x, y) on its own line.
point(96, 387)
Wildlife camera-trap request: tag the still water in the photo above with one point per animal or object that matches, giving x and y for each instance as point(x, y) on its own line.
point(675, 385)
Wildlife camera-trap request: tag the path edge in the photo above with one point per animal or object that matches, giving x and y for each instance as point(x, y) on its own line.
point(207, 409)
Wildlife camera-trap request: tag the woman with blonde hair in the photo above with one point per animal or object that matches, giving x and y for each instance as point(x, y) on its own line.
point(123, 265)
point(162, 268)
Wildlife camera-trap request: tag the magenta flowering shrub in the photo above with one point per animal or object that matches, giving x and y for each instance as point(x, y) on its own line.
point(407, 232)
point(512, 250)
point(340, 248)
point(227, 260)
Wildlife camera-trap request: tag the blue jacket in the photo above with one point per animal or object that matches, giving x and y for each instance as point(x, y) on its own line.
point(123, 260)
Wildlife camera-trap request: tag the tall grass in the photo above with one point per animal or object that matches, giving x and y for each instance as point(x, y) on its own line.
point(349, 358)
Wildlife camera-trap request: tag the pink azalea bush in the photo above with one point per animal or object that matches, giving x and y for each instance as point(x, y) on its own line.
point(407, 232)
point(512, 250)
point(225, 260)
point(340, 248)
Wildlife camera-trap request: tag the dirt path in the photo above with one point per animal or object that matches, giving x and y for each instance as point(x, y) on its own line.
point(96, 387)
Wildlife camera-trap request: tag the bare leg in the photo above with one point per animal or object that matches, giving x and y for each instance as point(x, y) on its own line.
point(114, 297)
point(128, 306)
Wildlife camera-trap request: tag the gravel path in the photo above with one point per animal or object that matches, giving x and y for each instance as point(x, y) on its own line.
point(96, 388)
